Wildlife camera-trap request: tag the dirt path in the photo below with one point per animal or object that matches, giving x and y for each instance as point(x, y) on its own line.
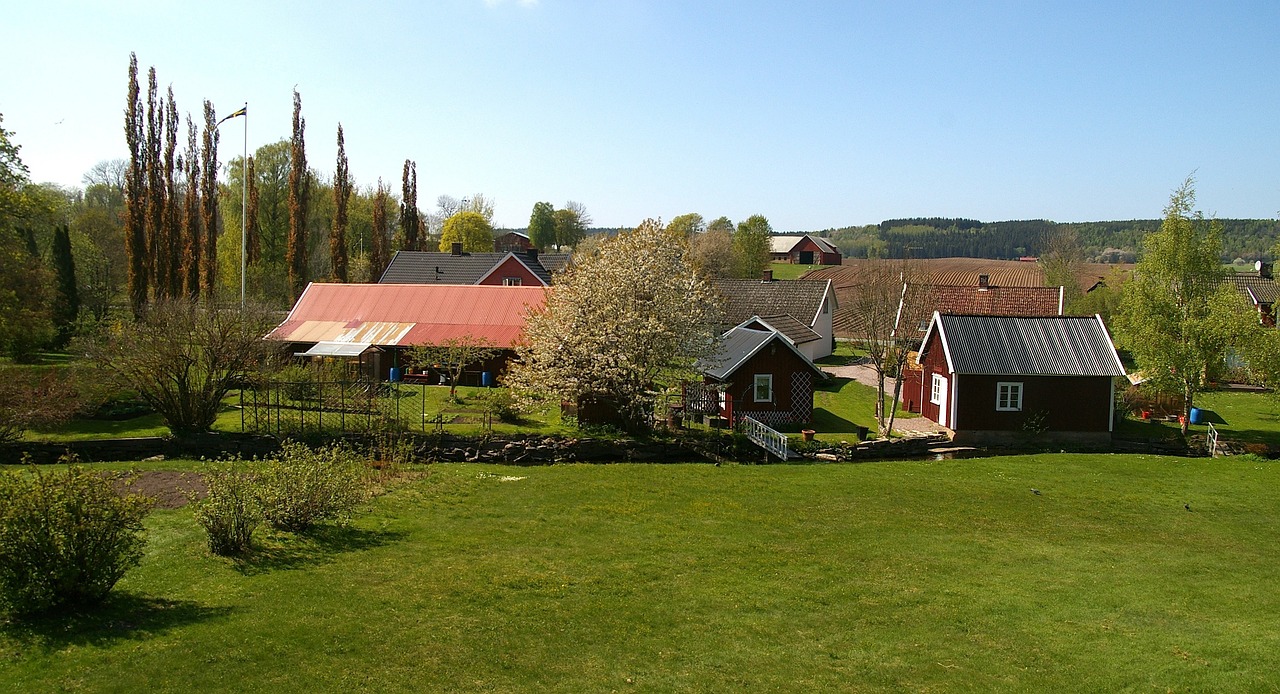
point(867, 376)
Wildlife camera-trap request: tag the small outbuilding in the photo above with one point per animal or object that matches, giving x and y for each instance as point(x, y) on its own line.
point(757, 371)
point(1007, 379)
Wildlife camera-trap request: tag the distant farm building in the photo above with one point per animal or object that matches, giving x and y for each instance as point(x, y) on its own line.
point(803, 250)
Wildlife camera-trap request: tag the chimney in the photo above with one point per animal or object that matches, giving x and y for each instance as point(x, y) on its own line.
point(533, 254)
point(984, 282)
point(767, 276)
point(456, 249)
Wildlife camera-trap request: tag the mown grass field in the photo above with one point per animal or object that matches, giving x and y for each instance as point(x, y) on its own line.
point(940, 576)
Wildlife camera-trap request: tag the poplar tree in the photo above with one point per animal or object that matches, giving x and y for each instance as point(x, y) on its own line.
point(192, 229)
point(341, 194)
point(253, 235)
point(542, 226)
point(378, 247)
point(135, 191)
point(409, 206)
point(66, 299)
point(155, 185)
point(209, 202)
point(298, 194)
point(171, 226)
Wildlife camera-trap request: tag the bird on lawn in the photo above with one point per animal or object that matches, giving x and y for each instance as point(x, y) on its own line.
point(1035, 491)
point(1187, 506)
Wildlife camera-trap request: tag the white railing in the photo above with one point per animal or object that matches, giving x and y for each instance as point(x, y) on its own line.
point(1212, 439)
point(773, 441)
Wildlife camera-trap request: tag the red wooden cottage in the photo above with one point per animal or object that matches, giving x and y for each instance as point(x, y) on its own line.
point(999, 379)
point(756, 371)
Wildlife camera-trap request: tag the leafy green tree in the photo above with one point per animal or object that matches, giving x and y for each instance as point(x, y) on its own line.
point(721, 224)
point(542, 226)
point(470, 229)
point(1176, 315)
point(687, 225)
point(453, 355)
point(569, 228)
point(25, 323)
point(751, 246)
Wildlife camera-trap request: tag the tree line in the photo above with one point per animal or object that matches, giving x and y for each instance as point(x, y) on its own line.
point(1107, 242)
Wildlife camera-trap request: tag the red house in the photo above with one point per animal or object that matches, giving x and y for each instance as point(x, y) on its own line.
point(804, 250)
point(1000, 379)
point(758, 372)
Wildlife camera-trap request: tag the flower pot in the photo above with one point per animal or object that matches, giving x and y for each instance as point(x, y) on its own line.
point(807, 434)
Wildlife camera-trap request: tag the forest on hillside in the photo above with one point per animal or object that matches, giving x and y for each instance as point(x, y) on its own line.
point(1104, 242)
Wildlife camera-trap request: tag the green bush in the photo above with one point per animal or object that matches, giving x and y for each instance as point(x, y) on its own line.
point(230, 511)
point(66, 538)
point(303, 486)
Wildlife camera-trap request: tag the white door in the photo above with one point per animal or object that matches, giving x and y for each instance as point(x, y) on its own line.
point(941, 385)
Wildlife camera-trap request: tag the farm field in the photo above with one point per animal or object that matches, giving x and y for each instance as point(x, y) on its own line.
point(946, 576)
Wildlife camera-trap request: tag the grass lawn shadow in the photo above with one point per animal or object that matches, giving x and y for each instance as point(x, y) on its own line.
point(825, 422)
point(282, 551)
point(123, 615)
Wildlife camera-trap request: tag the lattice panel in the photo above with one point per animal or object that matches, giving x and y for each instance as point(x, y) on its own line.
point(802, 397)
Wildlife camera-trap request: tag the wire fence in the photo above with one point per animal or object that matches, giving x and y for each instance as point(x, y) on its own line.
point(345, 407)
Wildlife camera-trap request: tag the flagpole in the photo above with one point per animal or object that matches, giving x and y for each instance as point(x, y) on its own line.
point(244, 202)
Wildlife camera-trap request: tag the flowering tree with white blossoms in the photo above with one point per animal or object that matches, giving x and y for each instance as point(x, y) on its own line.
point(629, 315)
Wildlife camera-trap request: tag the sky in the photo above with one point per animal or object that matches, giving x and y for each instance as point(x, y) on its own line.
point(814, 114)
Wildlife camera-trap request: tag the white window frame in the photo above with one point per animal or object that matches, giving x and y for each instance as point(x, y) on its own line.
point(936, 388)
point(1005, 396)
point(512, 282)
point(767, 381)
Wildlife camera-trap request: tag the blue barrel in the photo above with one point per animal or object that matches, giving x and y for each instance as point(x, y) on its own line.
point(1197, 415)
point(486, 379)
point(395, 373)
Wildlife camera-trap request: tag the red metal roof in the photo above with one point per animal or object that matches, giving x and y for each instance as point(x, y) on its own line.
point(408, 314)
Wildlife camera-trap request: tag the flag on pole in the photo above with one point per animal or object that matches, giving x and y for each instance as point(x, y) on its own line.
point(242, 112)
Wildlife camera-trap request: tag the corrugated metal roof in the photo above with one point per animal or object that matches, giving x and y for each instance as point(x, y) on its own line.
point(336, 349)
point(408, 314)
point(783, 244)
point(421, 267)
point(1027, 346)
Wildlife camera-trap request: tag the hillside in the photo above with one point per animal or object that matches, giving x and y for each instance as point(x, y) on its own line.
point(1104, 242)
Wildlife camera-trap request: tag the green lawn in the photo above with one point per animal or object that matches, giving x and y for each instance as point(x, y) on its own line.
point(790, 271)
point(1239, 416)
point(941, 576)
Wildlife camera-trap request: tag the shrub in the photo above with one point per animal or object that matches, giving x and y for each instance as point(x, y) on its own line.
point(303, 486)
point(66, 538)
point(500, 403)
point(230, 511)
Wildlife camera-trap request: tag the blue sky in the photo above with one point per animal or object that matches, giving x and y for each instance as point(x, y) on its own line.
point(815, 114)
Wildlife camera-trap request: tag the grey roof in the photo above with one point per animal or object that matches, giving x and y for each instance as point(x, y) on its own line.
point(800, 299)
point(825, 245)
point(1027, 346)
point(421, 267)
point(1258, 289)
point(737, 346)
point(794, 330)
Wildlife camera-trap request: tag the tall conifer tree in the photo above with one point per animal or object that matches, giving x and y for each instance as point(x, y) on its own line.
point(298, 194)
point(409, 206)
point(66, 298)
point(378, 247)
point(341, 195)
point(155, 185)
